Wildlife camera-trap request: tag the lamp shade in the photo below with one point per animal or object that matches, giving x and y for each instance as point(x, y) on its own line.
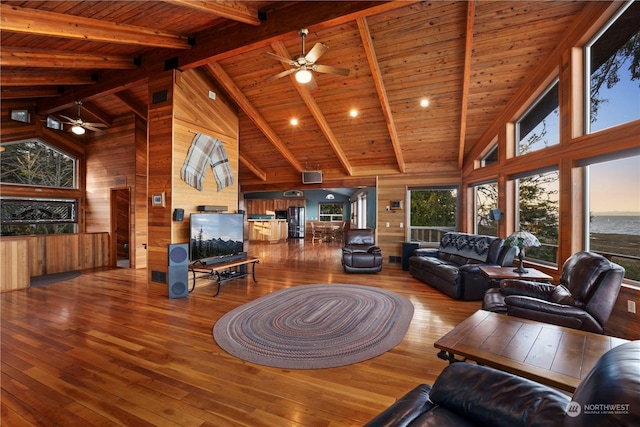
point(522, 239)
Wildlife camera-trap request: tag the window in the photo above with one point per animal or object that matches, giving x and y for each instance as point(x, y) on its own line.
point(21, 116)
point(32, 162)
point(432, 213)
point(331, 212)
point(486, 200)
point(613, 223)
point(537, 212)
point(612, 64)
point(539, 126)
point(491, 157)
point(53, 123)
point(22, 217)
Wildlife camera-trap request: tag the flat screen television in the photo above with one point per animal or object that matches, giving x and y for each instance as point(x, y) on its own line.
point(216, 237)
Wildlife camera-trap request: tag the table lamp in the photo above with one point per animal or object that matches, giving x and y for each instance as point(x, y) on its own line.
point(522, 239)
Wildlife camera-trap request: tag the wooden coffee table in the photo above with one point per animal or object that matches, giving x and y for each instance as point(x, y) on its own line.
point(549, 354)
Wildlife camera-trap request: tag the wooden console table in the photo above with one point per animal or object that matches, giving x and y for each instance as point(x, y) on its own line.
point(224, 271)
point(549, 354)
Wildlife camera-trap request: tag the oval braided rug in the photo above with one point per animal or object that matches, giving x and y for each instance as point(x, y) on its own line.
point(315, 326)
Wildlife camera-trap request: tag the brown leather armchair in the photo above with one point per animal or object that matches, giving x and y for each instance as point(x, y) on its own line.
point(359, 253)
point(588, 289)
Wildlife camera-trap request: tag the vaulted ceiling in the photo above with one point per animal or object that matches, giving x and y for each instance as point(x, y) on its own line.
point(467, 58)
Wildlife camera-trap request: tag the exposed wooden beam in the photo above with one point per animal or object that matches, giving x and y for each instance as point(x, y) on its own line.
point(14, 78)
point(468, 51)
point(41, 58)
point(33, 21)
point(24, 92)
point(234, 91)
point(96, 112)
point(376, 74)
point(139, 109)
point(257, 171)
point(217, 43)
point(234, 10)
point(313, 107)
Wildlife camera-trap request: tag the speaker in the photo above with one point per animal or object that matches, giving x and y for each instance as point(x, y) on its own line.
point(178, 214)
point(495, 214)
point(178, 270)
point(312, 177)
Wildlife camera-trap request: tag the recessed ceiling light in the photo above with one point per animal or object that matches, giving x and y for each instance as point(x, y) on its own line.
point(353, 113)
point(424, 102)
point(294, 122)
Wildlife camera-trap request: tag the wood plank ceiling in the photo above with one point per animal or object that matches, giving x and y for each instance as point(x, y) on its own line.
point(467, 58)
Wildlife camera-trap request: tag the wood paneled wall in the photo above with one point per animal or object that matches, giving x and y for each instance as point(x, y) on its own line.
point(172, 125)
point(14, 271)
point(27, 256)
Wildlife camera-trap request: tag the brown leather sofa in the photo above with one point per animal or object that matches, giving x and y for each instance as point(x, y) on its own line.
point(588, 289)
point(359, 253)
point(466, 394)
point(453, 268)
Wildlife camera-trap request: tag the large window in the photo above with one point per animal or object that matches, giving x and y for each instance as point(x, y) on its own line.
point(539, 125)
point(537, 212)
point(433, 212)
point(33, 162)
point(486, 203)
point(331, 212)
point(613, 68)
point(613, 225)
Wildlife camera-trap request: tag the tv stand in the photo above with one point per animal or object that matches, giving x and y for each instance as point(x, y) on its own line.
point(221, 272)
point(222, 259)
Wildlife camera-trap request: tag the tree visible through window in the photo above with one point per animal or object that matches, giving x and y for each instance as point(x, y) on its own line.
point(614, 72)
point(486, 198)
point(538, 213)
point(33, 162)
point(331, 211)
point(432, 213)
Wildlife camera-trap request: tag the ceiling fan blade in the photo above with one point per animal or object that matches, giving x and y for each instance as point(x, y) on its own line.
point(316, 52)
point(279, 58)
point(95, 125)
point(331, 70)
point(91, 127)
point(282, 74)
point(72, 121)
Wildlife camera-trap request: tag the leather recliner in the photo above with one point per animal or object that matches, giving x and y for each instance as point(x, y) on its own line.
point(466, 394)
point(588, 289)
point(359, 253)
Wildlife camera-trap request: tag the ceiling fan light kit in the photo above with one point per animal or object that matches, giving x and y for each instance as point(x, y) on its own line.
point(78, 130)
point(304, 63)
point(303, 76)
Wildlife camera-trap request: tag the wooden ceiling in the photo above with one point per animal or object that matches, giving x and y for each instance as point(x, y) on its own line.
point(467, 58)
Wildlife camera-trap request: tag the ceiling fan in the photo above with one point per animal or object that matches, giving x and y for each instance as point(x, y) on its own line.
point(303, 64)
point(78, 125)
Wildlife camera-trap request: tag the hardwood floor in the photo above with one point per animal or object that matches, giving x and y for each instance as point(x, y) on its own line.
point(102, 349)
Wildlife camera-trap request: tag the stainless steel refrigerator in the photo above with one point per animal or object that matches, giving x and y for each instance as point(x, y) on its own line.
point(296, 219)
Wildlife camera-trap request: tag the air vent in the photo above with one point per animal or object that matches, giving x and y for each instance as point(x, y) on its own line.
point(312, 177)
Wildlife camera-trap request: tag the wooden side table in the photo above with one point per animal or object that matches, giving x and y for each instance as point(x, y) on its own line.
point(495, 274)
